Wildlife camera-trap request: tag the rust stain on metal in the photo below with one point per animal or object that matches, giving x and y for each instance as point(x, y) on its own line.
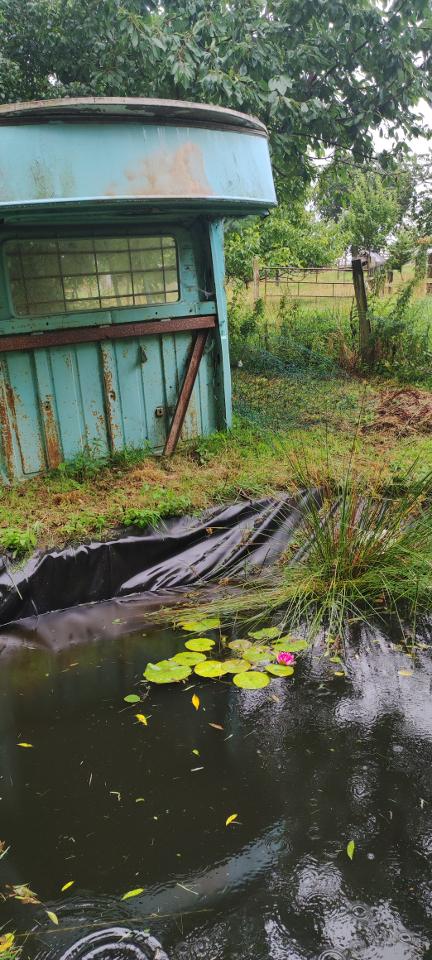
point(52, 442)
point(109, 397)
point(177, 174)
point(7, 436)
point(119, 331)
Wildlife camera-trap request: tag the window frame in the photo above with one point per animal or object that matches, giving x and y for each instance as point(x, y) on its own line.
point(97, 311)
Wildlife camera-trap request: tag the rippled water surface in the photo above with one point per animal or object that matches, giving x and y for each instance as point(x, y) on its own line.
point(308, 764)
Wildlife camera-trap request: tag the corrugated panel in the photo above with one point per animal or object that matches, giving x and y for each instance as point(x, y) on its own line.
point(59, 401)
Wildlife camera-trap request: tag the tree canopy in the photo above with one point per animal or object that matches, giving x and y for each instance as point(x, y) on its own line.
point(317, 72)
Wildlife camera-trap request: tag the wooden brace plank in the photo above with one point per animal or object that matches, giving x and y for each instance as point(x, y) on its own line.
point(186, 392)
point(115, 331)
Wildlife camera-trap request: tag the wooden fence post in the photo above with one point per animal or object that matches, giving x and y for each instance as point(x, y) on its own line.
point(362, 307)
point(256, 279)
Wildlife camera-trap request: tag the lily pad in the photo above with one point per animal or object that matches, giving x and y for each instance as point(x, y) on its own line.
point(258, 654)
point(210, 669)
point(279, 670)
point(166, 671)
point(200, 626)
point(290, 645)
point(251, 680)
point(268, 633)
point(200, 644)
point(236, 665)
point(188, 658)
point(240, 645)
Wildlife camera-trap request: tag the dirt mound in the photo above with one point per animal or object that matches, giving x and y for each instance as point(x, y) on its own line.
point(404, 411)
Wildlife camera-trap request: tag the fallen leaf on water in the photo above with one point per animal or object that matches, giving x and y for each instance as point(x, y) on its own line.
point(196, 752)
point(230, 819)
point(133, 893)
point(66, 886)
point(339, 673)
point(22, 892)
point(140, 800)
point(6, 941)
point(196, 701)
point(405, 673)
point(53, 917)
point(23, 744)
point(216, 726)
point(141, 717)
point(132, 698)
point(350, 849)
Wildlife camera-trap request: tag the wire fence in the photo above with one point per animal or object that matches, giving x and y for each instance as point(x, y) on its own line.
point(315, 284)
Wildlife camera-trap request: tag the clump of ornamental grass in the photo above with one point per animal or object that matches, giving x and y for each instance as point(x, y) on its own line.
point(359, 555)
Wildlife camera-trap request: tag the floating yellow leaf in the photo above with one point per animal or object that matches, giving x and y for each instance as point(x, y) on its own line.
point(216, 726)
point(133, 893)
point(196, 701)
point(350, 849)
point(230, 819)
point(67, 885)
point(53, 917)
point(23, 744)
point(405, 673)
point(6, 941)
point(141, 717)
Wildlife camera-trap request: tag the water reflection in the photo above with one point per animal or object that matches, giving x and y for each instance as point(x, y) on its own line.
point(307, 764)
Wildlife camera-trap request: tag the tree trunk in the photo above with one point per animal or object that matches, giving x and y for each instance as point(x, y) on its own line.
point(362, 309)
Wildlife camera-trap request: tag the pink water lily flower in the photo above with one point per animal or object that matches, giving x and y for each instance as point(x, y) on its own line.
point(286, 658)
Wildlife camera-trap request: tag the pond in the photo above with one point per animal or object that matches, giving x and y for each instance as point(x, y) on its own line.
point(102, 804)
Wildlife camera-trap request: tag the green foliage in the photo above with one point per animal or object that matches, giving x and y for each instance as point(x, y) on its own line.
point(162, 503)
point(18, 542)
point(288, 236)
point(402, 249)
point(252, 673)
point(314, 76)
point(361, 557)
point(372, 213)
point(82, 524)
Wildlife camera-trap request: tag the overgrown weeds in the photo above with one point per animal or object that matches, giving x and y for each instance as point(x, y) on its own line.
point(358, 556)
point(91, 461)
point(163, 503)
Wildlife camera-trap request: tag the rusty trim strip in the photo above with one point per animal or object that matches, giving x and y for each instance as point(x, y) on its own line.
point(118, 331)
point(185, 392)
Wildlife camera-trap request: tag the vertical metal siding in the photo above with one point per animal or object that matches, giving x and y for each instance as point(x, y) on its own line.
point(59, 401)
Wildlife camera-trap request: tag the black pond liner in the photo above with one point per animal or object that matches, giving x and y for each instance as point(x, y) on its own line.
point(309, 765)
point(146, 570)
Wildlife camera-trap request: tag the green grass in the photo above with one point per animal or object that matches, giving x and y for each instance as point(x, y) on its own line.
point(303, 398)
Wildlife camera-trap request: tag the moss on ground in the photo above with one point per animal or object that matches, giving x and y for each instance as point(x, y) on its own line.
point(280, 420)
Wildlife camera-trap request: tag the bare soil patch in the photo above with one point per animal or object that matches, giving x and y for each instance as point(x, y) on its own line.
point(404, 411)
